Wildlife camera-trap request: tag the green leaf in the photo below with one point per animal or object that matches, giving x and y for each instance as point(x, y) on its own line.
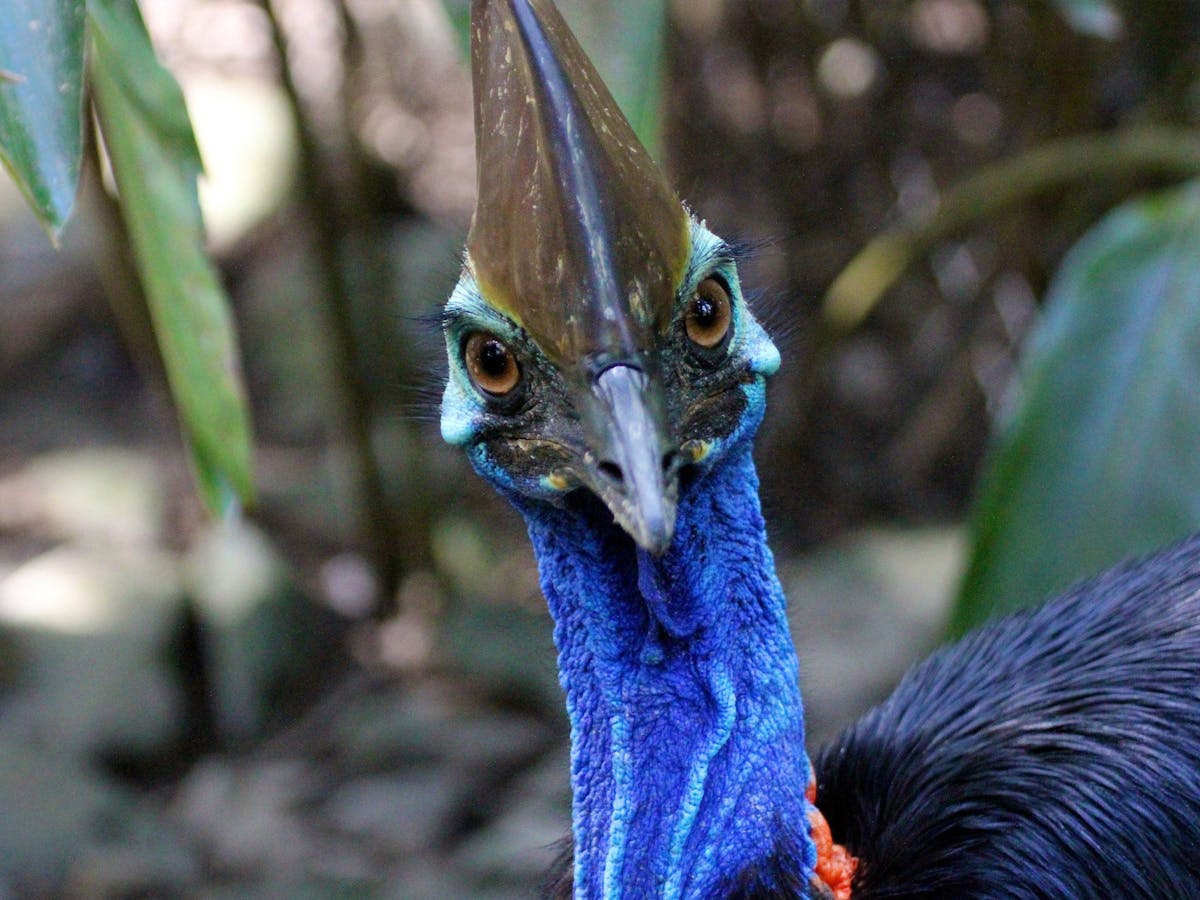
point(630, 43)
point(1097, 18)
point(41, 103)
point(459, 14)
point(154, 158)
point(1098, 459)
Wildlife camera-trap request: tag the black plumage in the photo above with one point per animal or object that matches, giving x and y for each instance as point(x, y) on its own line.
point(1053, 754)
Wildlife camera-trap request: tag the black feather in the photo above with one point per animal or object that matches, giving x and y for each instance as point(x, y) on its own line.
point(1054, 754)
point(778, 878)
point(559, 883)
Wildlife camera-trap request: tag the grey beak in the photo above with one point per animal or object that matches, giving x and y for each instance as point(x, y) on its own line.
point(632, 472)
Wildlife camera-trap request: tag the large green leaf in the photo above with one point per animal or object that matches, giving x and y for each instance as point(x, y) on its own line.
point(630, 41)
point(41, 102)
point(1100, 456)
point(155, 161)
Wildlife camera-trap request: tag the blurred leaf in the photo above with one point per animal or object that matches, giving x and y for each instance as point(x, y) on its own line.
point(1098, 459)
point(1098, 18)
point(149, 89)
point(155, 161)
point(41, 102)
point(634, 61)
point(459, 13)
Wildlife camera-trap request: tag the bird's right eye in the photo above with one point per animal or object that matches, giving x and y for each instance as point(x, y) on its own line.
point(492, 366)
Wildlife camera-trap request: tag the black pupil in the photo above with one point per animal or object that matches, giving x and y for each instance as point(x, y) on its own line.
point(704, 311)
point(493, 359)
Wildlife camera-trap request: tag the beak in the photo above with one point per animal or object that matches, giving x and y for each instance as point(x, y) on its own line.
point(632, 470)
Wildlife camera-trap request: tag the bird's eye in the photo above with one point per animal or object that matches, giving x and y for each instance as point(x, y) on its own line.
point(709, 314)
point(492, 366)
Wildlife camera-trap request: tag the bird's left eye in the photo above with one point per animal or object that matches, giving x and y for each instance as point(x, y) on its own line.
point(709, 315)
point(492, 366)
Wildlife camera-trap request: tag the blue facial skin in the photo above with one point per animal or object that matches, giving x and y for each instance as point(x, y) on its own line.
point(681, 679)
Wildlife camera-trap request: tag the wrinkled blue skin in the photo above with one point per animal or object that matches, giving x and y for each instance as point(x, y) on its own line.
point(687, 727)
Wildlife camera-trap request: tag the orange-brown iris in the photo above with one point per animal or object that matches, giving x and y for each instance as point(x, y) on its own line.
point(709, 314)
point(491, 365)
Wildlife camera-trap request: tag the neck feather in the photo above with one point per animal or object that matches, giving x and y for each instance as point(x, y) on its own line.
point(687, 730)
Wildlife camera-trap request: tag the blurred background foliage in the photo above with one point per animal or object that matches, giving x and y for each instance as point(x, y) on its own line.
point(973, 235)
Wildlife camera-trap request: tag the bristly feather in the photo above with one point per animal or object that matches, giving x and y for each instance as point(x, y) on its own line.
point(747, 248)
point(425, 383)
point(778, 878)
point(559, 883)
point(1054, 754)
point(774, 308)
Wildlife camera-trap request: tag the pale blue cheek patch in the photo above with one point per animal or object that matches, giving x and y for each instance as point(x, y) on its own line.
point(751, 341)
point(759, 350)
point(458, 415)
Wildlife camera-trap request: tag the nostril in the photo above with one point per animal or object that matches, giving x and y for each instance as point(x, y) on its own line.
point(612, 472)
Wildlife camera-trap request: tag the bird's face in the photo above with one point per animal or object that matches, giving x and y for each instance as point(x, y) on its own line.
point(628, 431)
point(598, 339)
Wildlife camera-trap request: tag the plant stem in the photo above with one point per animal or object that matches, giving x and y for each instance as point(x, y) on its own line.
point(1147, 150)
point(351, 393)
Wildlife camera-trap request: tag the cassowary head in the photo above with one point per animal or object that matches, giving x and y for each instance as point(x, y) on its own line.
point(598, 337)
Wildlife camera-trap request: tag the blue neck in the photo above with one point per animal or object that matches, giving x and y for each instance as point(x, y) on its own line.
point(688, 762)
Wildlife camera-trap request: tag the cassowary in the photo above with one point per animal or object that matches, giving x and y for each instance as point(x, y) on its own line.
point(607, 377)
